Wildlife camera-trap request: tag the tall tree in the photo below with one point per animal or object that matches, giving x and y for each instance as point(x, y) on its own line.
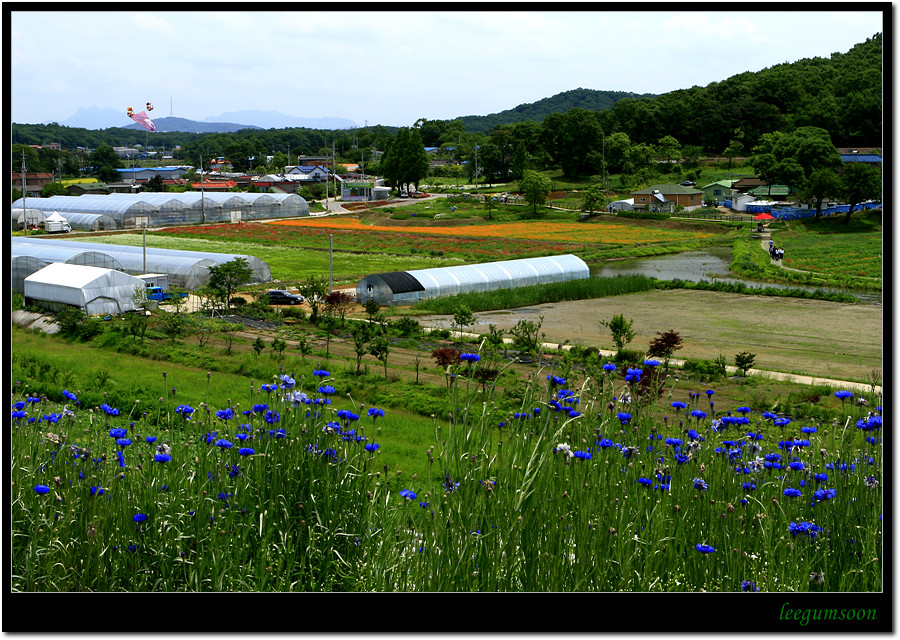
point(535, 188)
point(225, 278)
point(862, 182)
point(821, 185)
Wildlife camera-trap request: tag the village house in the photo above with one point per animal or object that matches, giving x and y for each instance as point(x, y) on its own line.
point(665, 197)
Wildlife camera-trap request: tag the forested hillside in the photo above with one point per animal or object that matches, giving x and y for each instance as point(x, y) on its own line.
point(560, 103)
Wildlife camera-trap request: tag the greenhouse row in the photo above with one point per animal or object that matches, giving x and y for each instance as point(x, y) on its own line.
point(136, 210)
point(406, 287)
point(188, 270)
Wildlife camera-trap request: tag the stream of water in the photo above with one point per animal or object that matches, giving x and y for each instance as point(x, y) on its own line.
point(710, 265)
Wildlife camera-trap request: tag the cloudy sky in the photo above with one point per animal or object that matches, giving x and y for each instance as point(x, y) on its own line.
point(391, 67)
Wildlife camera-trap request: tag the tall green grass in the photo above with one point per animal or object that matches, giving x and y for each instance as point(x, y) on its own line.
point(576, 490)
point(537, 294)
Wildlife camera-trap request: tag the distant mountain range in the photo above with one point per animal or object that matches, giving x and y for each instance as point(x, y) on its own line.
point(104, 118)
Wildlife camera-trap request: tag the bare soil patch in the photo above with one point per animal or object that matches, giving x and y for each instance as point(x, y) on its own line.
point(813, 337)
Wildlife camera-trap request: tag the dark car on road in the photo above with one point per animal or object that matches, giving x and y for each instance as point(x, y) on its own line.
point(278, 296)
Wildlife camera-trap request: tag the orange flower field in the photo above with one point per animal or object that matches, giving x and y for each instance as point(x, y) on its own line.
point(533, 230)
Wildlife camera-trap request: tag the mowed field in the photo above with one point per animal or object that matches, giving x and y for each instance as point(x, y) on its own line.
point(811, 337)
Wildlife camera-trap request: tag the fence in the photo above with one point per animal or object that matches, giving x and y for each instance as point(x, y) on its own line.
point(792, 213)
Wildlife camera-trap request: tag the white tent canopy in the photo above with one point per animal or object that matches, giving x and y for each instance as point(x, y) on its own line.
point(94, 289)
point(55, 216)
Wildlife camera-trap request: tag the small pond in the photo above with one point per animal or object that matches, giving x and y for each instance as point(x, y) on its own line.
point(710, 265)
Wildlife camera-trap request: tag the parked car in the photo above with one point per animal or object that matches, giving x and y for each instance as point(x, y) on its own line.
point(279, 296)
point(688, 183)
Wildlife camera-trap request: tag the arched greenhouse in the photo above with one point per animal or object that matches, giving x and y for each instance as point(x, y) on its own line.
point(187, 270)
point(135, 210)
point(406, 287)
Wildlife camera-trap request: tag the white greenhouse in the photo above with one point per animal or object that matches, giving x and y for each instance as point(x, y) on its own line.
point(136, 210)
point(406, 287)
point(96, 290)
point(188, 270)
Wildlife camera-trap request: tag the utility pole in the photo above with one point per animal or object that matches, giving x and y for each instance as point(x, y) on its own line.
point(24, 210)
point(202, 199)
point(330, 263)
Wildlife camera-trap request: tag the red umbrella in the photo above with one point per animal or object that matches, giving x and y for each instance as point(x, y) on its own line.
point(764, 216)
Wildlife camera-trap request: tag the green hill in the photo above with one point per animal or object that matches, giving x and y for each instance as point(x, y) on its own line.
point(589, 99)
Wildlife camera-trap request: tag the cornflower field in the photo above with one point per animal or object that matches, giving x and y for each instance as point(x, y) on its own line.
point(611, 484)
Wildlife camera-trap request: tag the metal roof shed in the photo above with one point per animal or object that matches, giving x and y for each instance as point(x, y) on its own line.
point(96, 290)
point(405, 287)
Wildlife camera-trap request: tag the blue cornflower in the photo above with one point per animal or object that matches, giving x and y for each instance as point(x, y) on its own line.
point(118, 432)
point(651, 363)
point(260, 408)
point(556, 380)
point(162, 457)
point(645, 481)
point(797, 465)
point(123, 442)
point(246, 451)
point(71, 396)
point(824, 494)
point(674, 442)
point(748, 585)
point(225, 414)
point(808, 429)
point(224, 444)
point(699, 415)
point(743, 409)
point(121, 457)
point(321, 373)
point(790, 492)
point(583, 455)
point(469, 357)
point(150, 439)
point(376, 413)
point(271, 417)
point(96, 491)
point(409, 495)
point(605, 443)
point(623, 417)
point(326, 390)
point(184, 410)
point(110, 411)
point(19, 405)
point(287, 382)
point(804, 528)
point(349, 416)
point(705, 548)
point(843, 395)
point(700, 484)
point(870, 424)
point(268, 387)
point(633, 374)
point(710, 392)
point(16, 415)
point(609, 367)
point(140, 517)
point(41, 489)
point(372, 446)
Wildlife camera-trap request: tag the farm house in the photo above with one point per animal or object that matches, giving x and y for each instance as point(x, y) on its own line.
point(406, 287)
point(187, 270)
point(94, 289)
point(135, 210)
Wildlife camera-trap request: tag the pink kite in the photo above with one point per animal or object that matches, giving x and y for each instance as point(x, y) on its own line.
point(143, 119)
